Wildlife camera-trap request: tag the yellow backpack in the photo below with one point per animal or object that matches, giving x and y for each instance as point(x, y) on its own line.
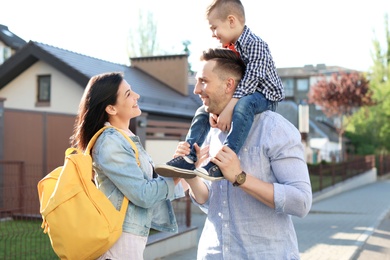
point(80, 220)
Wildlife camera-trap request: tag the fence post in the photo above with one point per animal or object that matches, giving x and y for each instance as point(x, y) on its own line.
point(22, 179)
point(320, 174)
point(188, 210)
point(380, 168)
point(333, 174)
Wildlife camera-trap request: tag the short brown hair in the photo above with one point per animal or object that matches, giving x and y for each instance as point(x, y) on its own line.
point(228, 63)
point(224, 8)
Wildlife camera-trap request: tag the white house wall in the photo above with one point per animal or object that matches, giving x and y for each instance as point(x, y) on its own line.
point(161, 151)
point(326, 148)
point(21, 93)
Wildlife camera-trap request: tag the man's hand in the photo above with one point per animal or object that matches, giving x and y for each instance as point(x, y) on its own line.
point(228, 162)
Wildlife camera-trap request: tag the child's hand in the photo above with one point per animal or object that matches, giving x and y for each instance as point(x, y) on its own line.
point(213, 120)
point(225, 120)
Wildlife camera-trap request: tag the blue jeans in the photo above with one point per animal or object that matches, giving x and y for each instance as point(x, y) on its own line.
point(243, 115)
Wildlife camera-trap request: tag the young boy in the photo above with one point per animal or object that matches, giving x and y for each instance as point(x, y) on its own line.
point(260, 89)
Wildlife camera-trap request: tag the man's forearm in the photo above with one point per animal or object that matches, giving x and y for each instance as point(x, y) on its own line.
point(260, 190)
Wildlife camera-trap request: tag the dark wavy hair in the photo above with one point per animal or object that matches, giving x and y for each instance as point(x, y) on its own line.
point(100, 92)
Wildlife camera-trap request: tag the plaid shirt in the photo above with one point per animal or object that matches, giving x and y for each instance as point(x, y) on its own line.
point(261, 74)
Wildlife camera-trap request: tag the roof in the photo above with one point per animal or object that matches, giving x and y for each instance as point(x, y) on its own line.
point(156, 97)
point(318, 129)
point(310, 70)
point(329, 130)
point(10, 39)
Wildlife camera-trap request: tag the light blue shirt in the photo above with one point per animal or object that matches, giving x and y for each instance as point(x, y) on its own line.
point(240, 227)
point(119, 175)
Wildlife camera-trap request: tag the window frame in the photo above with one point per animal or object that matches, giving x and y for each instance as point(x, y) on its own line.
point(42, 98)
point(300, 85)
point(288, 84)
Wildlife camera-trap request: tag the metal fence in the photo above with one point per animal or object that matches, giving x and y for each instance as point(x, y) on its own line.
point(383, 164)
point(324, 175)
point(21, 236)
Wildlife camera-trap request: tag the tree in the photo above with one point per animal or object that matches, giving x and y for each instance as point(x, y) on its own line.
point(370, 127)
point(340, 97)
point(186, 50)
point(143, 41)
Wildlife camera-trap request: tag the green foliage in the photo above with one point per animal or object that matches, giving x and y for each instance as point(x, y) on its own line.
point(363, 145)
point(340, 96)
point(369, 129)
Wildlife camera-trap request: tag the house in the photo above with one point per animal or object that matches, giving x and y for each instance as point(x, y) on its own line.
point(48, 79)
point(323, 140)
point(9, 43)
point(40, 89)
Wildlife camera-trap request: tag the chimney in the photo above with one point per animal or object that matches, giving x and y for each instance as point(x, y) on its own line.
point(170, 69)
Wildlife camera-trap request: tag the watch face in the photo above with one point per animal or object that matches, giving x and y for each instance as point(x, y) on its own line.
point(241, 178)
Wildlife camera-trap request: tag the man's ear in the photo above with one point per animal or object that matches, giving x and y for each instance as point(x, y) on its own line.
point(110, 109)
point(230, 85)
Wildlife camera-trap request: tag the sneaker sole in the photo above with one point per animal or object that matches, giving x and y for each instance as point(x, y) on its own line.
point(207, 177)
point(173, 172)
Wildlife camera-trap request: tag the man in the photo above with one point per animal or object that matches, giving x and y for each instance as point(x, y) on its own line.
point(249, 212)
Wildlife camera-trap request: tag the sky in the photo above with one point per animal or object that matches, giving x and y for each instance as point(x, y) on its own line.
point(300, 32)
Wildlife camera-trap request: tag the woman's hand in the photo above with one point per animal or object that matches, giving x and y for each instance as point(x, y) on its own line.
point(183, 149)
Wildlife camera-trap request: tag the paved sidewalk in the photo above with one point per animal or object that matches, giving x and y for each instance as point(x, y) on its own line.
point(353, 225)
point(377, 245)
point(339, 226)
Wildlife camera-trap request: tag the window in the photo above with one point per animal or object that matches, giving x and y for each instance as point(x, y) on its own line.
point(5, 53)
point(303, 84)
point(43, 90)
point(288, 85)
point(2, 54)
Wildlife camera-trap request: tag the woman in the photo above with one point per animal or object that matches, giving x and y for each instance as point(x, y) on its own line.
point(109, 100)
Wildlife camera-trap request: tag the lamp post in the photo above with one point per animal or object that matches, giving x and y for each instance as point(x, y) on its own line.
point(303, 126)
point(303, 120)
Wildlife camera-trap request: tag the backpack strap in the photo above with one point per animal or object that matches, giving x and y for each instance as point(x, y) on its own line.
point(96, 135)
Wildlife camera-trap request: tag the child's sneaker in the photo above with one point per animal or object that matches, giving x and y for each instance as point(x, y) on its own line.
point(181, 167)
point(210, 172)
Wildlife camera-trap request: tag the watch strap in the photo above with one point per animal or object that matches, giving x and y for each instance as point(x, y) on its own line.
point(238, 180)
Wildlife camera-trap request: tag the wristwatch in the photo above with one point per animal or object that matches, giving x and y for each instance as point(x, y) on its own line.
point(240, 179)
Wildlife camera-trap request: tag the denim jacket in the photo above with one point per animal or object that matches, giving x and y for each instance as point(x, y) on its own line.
point(118, 175)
